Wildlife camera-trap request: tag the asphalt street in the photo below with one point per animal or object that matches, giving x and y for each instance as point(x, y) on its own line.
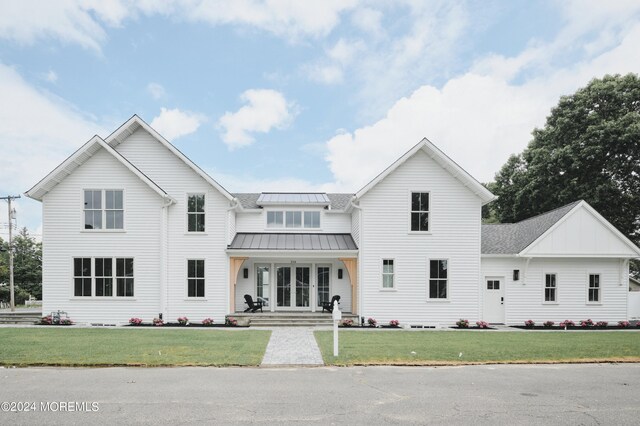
point(491, 395)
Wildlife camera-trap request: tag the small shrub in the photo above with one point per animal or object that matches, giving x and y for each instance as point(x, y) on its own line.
point(586, 323)
point(567, 323)
point(623, 324)
point(462, 323)
point(347, 323)
point(66, 321)
point(231, 322)
point(46, 320)
point(372, 322)
point(529, 323)
point(394, 323)
point(482, 324)
point(548, 324)
point(158, 322)
point(602, 324)
point(207, 321)
point(183, 321)
point(135, 321)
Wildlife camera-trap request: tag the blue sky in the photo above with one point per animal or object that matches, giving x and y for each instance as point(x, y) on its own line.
point(295, 95)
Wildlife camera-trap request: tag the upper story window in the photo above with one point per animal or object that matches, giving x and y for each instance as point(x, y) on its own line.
point(293, 219)
point(195, 213)
point(420, 211)
point(103, 209)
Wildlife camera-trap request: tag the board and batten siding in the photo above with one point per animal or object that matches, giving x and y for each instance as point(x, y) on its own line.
point(64, 238)
point(455, 214)
point(179, 180)
point(524, 299)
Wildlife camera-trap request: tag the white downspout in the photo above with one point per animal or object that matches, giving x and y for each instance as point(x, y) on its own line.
point(360, 246)
point(164, 269)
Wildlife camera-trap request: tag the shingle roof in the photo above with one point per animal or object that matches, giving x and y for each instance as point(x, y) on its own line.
point(512, 238)
point(249, 200)
point(292, 241)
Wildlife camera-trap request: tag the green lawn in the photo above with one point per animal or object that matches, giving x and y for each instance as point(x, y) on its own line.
point(146, 347)
point(444, 347)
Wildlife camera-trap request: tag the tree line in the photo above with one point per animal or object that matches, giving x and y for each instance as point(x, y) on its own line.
point(27, 268)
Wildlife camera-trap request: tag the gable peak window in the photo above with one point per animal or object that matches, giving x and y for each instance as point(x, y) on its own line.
point(419, 211)
point(103, 209)
point(195, 213)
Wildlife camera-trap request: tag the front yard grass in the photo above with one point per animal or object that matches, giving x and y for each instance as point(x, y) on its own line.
point(477, 347)
point(131, 347)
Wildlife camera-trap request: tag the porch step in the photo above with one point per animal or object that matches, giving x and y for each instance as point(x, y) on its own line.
point(20, 317)
point(289, 319)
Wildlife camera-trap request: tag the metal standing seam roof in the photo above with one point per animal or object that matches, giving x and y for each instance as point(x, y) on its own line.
point(292, 241)
point(249, 200)
point(512, 238)
point(293, 198)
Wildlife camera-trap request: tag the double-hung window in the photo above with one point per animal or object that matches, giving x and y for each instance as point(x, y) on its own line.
point(419, 211)
point(438, 278)
point(195, 213)
point(104, 277)
point(195, 278)
point(103, 209)
point(550, 288)
point(388, 273)
point(594, 288)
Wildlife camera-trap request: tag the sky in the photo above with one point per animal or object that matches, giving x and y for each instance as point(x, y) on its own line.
point(286, 95)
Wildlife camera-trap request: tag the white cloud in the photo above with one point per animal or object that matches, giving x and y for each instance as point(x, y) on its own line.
point(265, 110)
point(50, 76)
point(156, 90)
point(37, 132)
point(483, 116)
point(83, 22)
point(173, 123)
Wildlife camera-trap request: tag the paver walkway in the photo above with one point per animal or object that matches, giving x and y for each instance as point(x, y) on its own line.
point(292, 346)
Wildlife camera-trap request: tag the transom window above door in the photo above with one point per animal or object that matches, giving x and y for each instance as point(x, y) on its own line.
point(293, 219)
point(419, 211)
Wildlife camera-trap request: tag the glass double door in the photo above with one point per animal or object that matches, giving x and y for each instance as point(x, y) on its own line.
point(294, 288)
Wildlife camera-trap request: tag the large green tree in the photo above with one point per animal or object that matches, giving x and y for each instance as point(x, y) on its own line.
point(27, 263)
point(588, 149)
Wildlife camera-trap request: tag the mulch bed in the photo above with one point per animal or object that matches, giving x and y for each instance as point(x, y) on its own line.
point(577, 327)
point(473, 328)
point(176, 325)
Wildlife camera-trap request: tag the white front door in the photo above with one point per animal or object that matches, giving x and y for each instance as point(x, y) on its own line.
point(494, 300)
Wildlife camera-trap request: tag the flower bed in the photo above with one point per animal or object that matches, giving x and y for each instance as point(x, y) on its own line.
point(49, 320)
point(463, 324)
point(587, 324)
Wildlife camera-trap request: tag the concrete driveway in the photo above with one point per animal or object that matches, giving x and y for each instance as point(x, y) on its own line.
point(491, 395)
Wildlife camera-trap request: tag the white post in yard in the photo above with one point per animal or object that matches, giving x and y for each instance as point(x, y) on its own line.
point(337, 316)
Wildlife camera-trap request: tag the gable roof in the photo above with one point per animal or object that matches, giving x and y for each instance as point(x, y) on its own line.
point(78, 158)
point(444, 161)
point(512, 238)
point(135, 122)
point(249, 200)
point(519, 238)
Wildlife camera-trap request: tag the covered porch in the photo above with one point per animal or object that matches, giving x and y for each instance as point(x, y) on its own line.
point(288, 278)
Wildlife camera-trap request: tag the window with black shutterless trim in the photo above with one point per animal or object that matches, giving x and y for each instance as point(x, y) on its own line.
point(195, 278)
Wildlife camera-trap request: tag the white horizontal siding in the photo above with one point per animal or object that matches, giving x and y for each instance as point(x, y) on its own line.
point(355, 226)
point(455, 235)
point(64, 238)
point(250, 222)
point(524, 298)
point(175, 177)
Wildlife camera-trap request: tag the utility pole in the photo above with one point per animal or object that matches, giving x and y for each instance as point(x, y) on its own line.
point(9, 198)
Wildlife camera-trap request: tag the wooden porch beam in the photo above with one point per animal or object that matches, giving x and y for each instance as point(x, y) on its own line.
point(351, 264)
point(235, 263)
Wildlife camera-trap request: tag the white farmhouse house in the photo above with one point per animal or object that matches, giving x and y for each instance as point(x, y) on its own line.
point(133, 228)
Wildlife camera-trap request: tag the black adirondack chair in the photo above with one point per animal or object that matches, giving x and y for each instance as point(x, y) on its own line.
point(328, 306)
point(253, 306)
